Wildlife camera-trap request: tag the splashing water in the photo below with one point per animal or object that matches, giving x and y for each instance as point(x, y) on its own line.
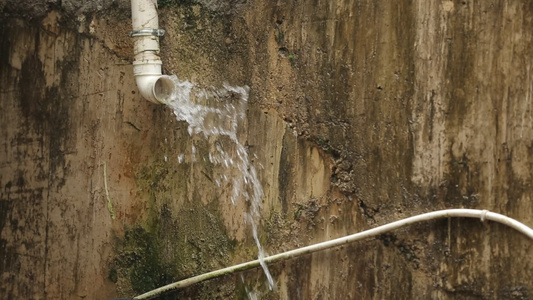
point(252, 295)
point(216, 120)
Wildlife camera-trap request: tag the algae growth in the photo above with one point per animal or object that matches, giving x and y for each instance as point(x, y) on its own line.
point(168, 245)
point(140, 261)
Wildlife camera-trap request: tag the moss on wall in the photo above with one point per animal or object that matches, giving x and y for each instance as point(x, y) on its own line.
point(168, 245)
point(139, 261)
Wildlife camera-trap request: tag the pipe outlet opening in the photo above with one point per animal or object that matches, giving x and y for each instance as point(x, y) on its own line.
point(163, 89)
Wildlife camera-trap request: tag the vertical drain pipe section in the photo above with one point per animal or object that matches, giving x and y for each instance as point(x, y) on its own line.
point(152, 85)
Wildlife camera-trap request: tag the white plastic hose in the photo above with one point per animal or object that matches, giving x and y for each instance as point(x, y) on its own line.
point(447, 213)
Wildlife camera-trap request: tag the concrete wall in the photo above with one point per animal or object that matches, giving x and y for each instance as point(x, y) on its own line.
point(360, 112)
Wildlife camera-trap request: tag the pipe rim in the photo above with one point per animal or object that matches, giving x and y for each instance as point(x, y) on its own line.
point(163, 89)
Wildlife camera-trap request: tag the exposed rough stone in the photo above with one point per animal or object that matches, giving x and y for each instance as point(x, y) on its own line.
point(37, 9)
point(77, 7)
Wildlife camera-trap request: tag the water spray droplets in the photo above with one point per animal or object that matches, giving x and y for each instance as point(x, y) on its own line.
point(216, 113)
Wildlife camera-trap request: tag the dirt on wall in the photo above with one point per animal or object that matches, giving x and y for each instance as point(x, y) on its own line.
point(360, 113)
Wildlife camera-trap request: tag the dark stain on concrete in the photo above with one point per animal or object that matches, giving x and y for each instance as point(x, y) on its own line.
point(299, 274)
point(31, 85)
point(286, 167)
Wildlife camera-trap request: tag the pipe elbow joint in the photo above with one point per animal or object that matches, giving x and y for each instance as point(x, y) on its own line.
point(156, 89)
point(152, 85)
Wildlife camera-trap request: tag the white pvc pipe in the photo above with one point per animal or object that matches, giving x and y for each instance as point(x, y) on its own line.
point(447, 213)
point(152, 85)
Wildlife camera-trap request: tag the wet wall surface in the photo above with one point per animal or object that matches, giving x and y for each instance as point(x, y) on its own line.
point(361, 113)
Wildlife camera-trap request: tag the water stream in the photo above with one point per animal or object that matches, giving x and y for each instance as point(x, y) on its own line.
point(217, 112)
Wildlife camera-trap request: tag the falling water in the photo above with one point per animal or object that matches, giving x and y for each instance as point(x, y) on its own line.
point(252, 295)
point(222, 119)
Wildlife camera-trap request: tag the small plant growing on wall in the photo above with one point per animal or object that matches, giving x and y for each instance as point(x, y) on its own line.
point(291, 60)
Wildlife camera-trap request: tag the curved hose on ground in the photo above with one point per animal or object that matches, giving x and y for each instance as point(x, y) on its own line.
point(447, 213)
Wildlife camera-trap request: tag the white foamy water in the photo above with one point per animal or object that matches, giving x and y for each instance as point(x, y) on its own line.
point(217, 113)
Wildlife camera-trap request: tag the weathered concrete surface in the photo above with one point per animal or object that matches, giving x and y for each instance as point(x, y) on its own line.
point(68, 107)
point(361, 114)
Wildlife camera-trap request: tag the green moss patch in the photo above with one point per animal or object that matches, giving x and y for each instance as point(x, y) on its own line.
point(141, 262)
